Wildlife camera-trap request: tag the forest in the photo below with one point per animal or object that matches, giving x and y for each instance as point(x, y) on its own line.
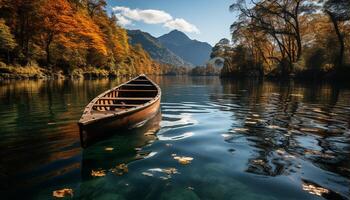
point(289, 38)
point(68, 38)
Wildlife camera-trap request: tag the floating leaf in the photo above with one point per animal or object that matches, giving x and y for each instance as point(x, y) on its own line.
point(62, 193)
point(120, 169)
point(98, 173)
point(313, 189)
point(170, 170)
point(183, 159)
point(109, 149)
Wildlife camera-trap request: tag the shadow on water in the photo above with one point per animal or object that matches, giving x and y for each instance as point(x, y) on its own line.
point(121, 148)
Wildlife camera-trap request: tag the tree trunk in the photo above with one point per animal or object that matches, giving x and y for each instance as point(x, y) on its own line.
point(339, 61)
point(47, 49)
point(297, 31)
point(8, 56)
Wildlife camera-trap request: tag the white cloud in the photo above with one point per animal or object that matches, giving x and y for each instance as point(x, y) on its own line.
point(147, 16)
point(126, 15)
point(123, 20)
point(182, 25)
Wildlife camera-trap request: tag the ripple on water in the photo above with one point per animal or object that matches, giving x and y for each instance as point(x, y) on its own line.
point(258, 140)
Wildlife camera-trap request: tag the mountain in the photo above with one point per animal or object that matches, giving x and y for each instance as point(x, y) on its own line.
point(156, 50)
point(193, 51)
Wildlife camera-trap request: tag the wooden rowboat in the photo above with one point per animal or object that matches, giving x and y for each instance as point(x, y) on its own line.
point(126, 106)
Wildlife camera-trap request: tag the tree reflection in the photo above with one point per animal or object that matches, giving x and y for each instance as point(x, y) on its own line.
point(278, 117)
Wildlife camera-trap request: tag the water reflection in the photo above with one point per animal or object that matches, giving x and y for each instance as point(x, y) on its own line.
point(125, 147)
point(287, 126)
point(251, 139)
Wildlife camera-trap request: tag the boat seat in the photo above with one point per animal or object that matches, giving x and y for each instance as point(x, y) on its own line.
point(130, 90)
point(126, 98)
point(141, 85)
point(116, 105)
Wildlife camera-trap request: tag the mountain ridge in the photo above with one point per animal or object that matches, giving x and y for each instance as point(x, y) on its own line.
point(156, 50)
point(193, 51)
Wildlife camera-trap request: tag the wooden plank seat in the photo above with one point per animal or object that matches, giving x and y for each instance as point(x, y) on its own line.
point(116, 105)
point(130, 90)
point(139, 85)
point(126, 98)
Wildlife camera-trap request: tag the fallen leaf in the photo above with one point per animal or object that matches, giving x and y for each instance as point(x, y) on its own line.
point(109, 149)
point(170, 170)
point(98, 173)
point(313, 189)
point(183, 159)
point(120, 169)
point(62, 193)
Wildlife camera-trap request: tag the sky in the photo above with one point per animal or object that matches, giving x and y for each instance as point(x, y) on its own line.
point(203, 20)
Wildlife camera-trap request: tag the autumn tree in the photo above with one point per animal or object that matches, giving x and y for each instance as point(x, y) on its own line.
point(21, 16)
point(58, 21)
point(7, 41)
point(338, 12)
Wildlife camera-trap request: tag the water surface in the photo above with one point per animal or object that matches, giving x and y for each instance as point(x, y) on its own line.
point(248, 140)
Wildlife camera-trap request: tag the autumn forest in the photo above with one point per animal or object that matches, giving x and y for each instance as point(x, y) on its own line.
point(290, 38)
point(61, 37)
point(270, 38)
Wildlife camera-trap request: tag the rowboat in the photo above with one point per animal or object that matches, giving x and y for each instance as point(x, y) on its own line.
point(126, 106)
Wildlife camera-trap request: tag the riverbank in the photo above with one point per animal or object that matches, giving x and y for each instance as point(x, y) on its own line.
point(17, 72)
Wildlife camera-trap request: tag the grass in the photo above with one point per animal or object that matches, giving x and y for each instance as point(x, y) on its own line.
point(21, 72)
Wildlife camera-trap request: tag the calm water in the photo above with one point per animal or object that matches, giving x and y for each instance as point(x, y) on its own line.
point(248, 140)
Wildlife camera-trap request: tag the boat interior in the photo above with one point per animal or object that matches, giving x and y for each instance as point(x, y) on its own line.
point(132, 94)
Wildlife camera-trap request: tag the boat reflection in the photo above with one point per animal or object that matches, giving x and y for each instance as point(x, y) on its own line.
point(119, 149)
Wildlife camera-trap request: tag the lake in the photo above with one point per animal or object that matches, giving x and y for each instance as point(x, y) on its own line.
point(242, 140)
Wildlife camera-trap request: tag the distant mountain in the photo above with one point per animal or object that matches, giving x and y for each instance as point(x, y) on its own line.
point(193, 51)
point(156, 50)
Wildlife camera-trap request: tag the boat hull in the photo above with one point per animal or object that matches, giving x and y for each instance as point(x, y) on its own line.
point(97, 130)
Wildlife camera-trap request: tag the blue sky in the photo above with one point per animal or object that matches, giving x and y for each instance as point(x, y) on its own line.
point(204, 20)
